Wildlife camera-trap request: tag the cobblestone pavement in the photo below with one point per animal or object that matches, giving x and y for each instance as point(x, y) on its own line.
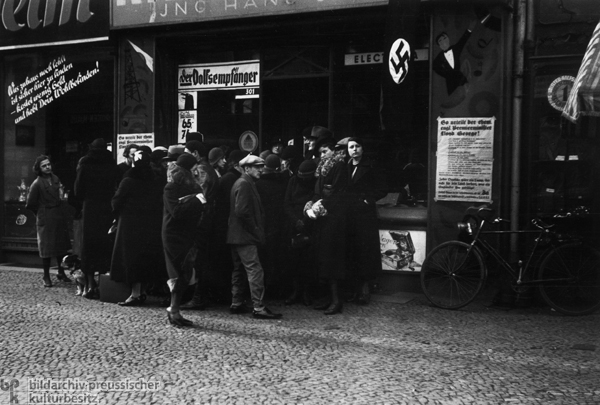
point(384, 353)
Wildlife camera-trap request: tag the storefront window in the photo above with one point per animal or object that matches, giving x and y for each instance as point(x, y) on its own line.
point(56, 102)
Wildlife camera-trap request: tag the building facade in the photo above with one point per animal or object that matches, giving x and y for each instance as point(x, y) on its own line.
point(448, 121)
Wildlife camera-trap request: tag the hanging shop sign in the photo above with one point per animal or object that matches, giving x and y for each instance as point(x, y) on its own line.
point(128, 13)
point(241, 76)
point(46, 86)
point(34, 23)
point(139, 139)
point(465, 157)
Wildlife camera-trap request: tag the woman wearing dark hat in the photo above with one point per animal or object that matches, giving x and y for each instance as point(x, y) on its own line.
point(216, 158)
point(183, 207)
point(366, 185)
point(95, 185)
point(45, 198)
point(300, 257)
point(330, 229)
point(138, 203)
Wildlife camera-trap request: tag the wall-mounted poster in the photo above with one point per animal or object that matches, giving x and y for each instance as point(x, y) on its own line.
point(139, 139)
point(402, 250)
point(187, 123)
point(465, 157)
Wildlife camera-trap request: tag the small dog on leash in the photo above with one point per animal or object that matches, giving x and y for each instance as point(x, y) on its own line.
point(73, 264)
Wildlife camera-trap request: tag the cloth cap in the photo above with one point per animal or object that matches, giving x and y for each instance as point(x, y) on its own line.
point(252, 160)
point(235, 156)
point(342, 143)
point(215, 155)
point(307, 169)
point(186, 161)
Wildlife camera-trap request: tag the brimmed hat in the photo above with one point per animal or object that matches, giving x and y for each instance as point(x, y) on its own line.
point(174, 152)
point(307, 169)
point(316, 132)
point(325, 139)
point(186, 161)
point(252, 160)
point(272, 163)
point(98, 144)
point(215, 155)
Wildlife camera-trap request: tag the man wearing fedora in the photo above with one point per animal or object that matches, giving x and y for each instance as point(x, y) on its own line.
point(246, 231)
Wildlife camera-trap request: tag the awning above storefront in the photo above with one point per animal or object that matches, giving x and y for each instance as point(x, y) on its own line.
point(584, 98)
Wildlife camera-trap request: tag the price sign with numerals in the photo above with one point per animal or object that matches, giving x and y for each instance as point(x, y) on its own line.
point(187, 123)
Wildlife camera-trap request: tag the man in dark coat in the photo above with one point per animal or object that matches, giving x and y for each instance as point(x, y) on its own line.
point(271, 187)
point(246, 231)
point(95, 185)
point(220, 250)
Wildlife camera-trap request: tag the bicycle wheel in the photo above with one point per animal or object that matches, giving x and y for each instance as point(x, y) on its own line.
point(571, 279)
point(451, 275)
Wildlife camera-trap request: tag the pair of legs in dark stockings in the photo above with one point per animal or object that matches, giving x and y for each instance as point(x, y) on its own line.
point(335, 305)
point(177, 287)
point(61, 272)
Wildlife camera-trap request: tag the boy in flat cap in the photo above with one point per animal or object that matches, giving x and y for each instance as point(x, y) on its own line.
point(246, 231)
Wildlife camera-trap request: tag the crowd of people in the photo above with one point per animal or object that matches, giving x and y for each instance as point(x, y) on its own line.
point(199, 226)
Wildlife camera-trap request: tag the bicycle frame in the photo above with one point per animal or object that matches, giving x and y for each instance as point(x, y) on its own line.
point(543, 236)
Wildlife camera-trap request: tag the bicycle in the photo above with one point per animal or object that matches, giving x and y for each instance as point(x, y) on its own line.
point(568, 269)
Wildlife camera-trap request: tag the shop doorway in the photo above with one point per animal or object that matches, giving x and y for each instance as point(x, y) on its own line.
point(292, 104)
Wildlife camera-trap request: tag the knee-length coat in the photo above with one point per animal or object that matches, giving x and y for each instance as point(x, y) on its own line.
point(51, 222)
point(365, 186)
point(138, 204)
point(95, 185)
point(182, 214)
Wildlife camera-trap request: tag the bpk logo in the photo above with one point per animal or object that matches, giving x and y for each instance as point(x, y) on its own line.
point(400, 55)
point(10, 386)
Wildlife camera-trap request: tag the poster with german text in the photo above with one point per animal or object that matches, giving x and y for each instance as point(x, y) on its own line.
point(465, 157)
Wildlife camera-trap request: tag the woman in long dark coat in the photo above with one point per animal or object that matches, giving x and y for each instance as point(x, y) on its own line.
point(183, 207)
point(138, 204)
point(95, 185)
point(366, 185)
point(330, 229)
point(45, 200)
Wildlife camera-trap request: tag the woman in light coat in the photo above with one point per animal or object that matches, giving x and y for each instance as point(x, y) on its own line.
point(46, 200)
